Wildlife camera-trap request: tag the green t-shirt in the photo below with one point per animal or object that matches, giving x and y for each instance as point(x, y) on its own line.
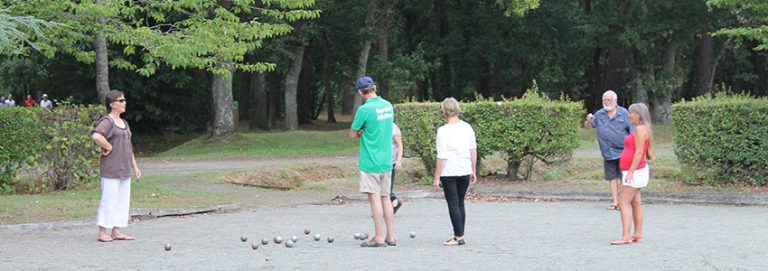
point(375, 118)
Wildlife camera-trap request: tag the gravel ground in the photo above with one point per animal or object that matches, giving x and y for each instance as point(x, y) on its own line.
point(500, 236)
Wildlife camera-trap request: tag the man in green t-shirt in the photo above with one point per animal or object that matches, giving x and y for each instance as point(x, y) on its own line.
point(373, 125)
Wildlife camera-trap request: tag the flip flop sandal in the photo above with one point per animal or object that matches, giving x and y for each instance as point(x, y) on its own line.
point(622, 242)
point(124, 238)
point(105, 240)
point(637, 239)
point(391, 244)
point(372, 243)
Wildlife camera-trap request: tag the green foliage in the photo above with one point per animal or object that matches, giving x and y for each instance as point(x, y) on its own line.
point(53, 146)
point(752, 17)
point(18, 143)
point(722, 140)
point(18, 34)
point(517, 7)
point(533, 127)
point(69, 158)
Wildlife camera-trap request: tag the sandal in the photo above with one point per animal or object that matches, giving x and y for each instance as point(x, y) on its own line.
point(105, 240)
point(372, 243)
point(454, 242)
point(391, 244)
point(613, 207)
point(123, 238)
point(622, 242)
point(637, 239)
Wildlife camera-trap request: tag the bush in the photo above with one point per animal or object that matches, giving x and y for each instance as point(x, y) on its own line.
point(531, 129)
point(51, 146)
point(19, 142)
point(722, 140)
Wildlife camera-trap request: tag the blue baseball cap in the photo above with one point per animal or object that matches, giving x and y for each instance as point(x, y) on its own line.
point(365, 83)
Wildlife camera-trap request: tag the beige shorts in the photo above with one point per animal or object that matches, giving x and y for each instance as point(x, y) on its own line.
point(376, 183)
point(640, 177)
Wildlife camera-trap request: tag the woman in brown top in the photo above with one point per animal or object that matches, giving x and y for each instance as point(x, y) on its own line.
point(116, 164)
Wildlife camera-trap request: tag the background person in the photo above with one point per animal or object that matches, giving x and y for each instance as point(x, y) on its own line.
point(638, 146)
point(116, 164)
point(45, 102)
point(456, 166)
point(30, 102)
point(397, 164)
point(612, 123)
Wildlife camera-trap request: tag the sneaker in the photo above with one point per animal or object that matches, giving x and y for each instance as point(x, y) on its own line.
point(397, 207)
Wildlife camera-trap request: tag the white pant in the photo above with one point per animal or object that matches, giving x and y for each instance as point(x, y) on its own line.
point(639, 179)
point(115, 203)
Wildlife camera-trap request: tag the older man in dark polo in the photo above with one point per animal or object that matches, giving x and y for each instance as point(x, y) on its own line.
point(612, 123)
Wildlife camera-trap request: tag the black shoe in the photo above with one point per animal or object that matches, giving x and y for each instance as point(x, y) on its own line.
point(397, 207)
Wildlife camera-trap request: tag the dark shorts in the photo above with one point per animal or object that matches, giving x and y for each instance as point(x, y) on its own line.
point(611, 169)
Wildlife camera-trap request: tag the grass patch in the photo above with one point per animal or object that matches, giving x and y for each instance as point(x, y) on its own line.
point(663, 134)
point(269, 144)
point(151, 192)
point(299, 177)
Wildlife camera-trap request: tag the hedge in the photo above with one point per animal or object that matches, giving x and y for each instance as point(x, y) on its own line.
point(533, 127)
point(722, 139)
point(53, 146)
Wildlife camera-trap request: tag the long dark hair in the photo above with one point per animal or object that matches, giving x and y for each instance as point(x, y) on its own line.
point(111, 96)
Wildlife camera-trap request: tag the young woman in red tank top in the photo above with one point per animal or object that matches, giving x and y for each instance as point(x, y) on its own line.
point(635, 173)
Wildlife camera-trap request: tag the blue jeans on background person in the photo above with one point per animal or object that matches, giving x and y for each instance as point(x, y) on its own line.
point(455, 188)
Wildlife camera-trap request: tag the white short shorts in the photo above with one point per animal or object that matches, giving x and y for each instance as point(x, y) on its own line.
point(639, 179)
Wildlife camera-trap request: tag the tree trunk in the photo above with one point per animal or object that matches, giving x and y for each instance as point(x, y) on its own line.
point(513, 167)
point(244, 97)
point(260, 112)
point(291, 85)
point(221, 88)
point(484, 84)
point(703, 63)
point(306, 92)
point(638, 88)
point(348, 99)
point(102, 63)
point(614, 71)
point(327, 81)
point(383, 7)
point(660, 101)
point(362, 61)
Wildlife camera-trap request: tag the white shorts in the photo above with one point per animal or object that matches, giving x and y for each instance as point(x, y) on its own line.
point(639, 179)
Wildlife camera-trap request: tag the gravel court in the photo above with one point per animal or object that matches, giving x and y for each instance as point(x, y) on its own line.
point(500, 236)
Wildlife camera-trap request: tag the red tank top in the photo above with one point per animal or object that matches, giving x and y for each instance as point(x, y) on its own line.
point(625, 161)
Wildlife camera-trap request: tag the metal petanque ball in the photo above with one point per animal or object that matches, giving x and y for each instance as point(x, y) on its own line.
point(413, 234)
point(264, 241)
point(306, 231)
point(330, 239)
point(294, 238)
point(278, 240)
point(317, 237)
point(167, 247)
point(358, 235)
point(243, 238)
point(289, 243)
point(255, 246)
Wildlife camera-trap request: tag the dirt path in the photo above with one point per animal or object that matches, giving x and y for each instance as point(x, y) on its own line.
point(176, 167)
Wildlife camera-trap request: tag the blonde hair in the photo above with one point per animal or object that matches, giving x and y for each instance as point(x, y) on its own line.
point(645, 119)
point(450, 107)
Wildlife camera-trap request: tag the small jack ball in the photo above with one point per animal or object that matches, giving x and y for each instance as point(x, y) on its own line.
point(255, 246)
point(306, 231)
point(167, 247)
point(413, 234)
point(243, 238)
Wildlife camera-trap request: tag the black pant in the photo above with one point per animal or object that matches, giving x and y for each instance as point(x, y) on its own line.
point(455, 188)
point(392, 195)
